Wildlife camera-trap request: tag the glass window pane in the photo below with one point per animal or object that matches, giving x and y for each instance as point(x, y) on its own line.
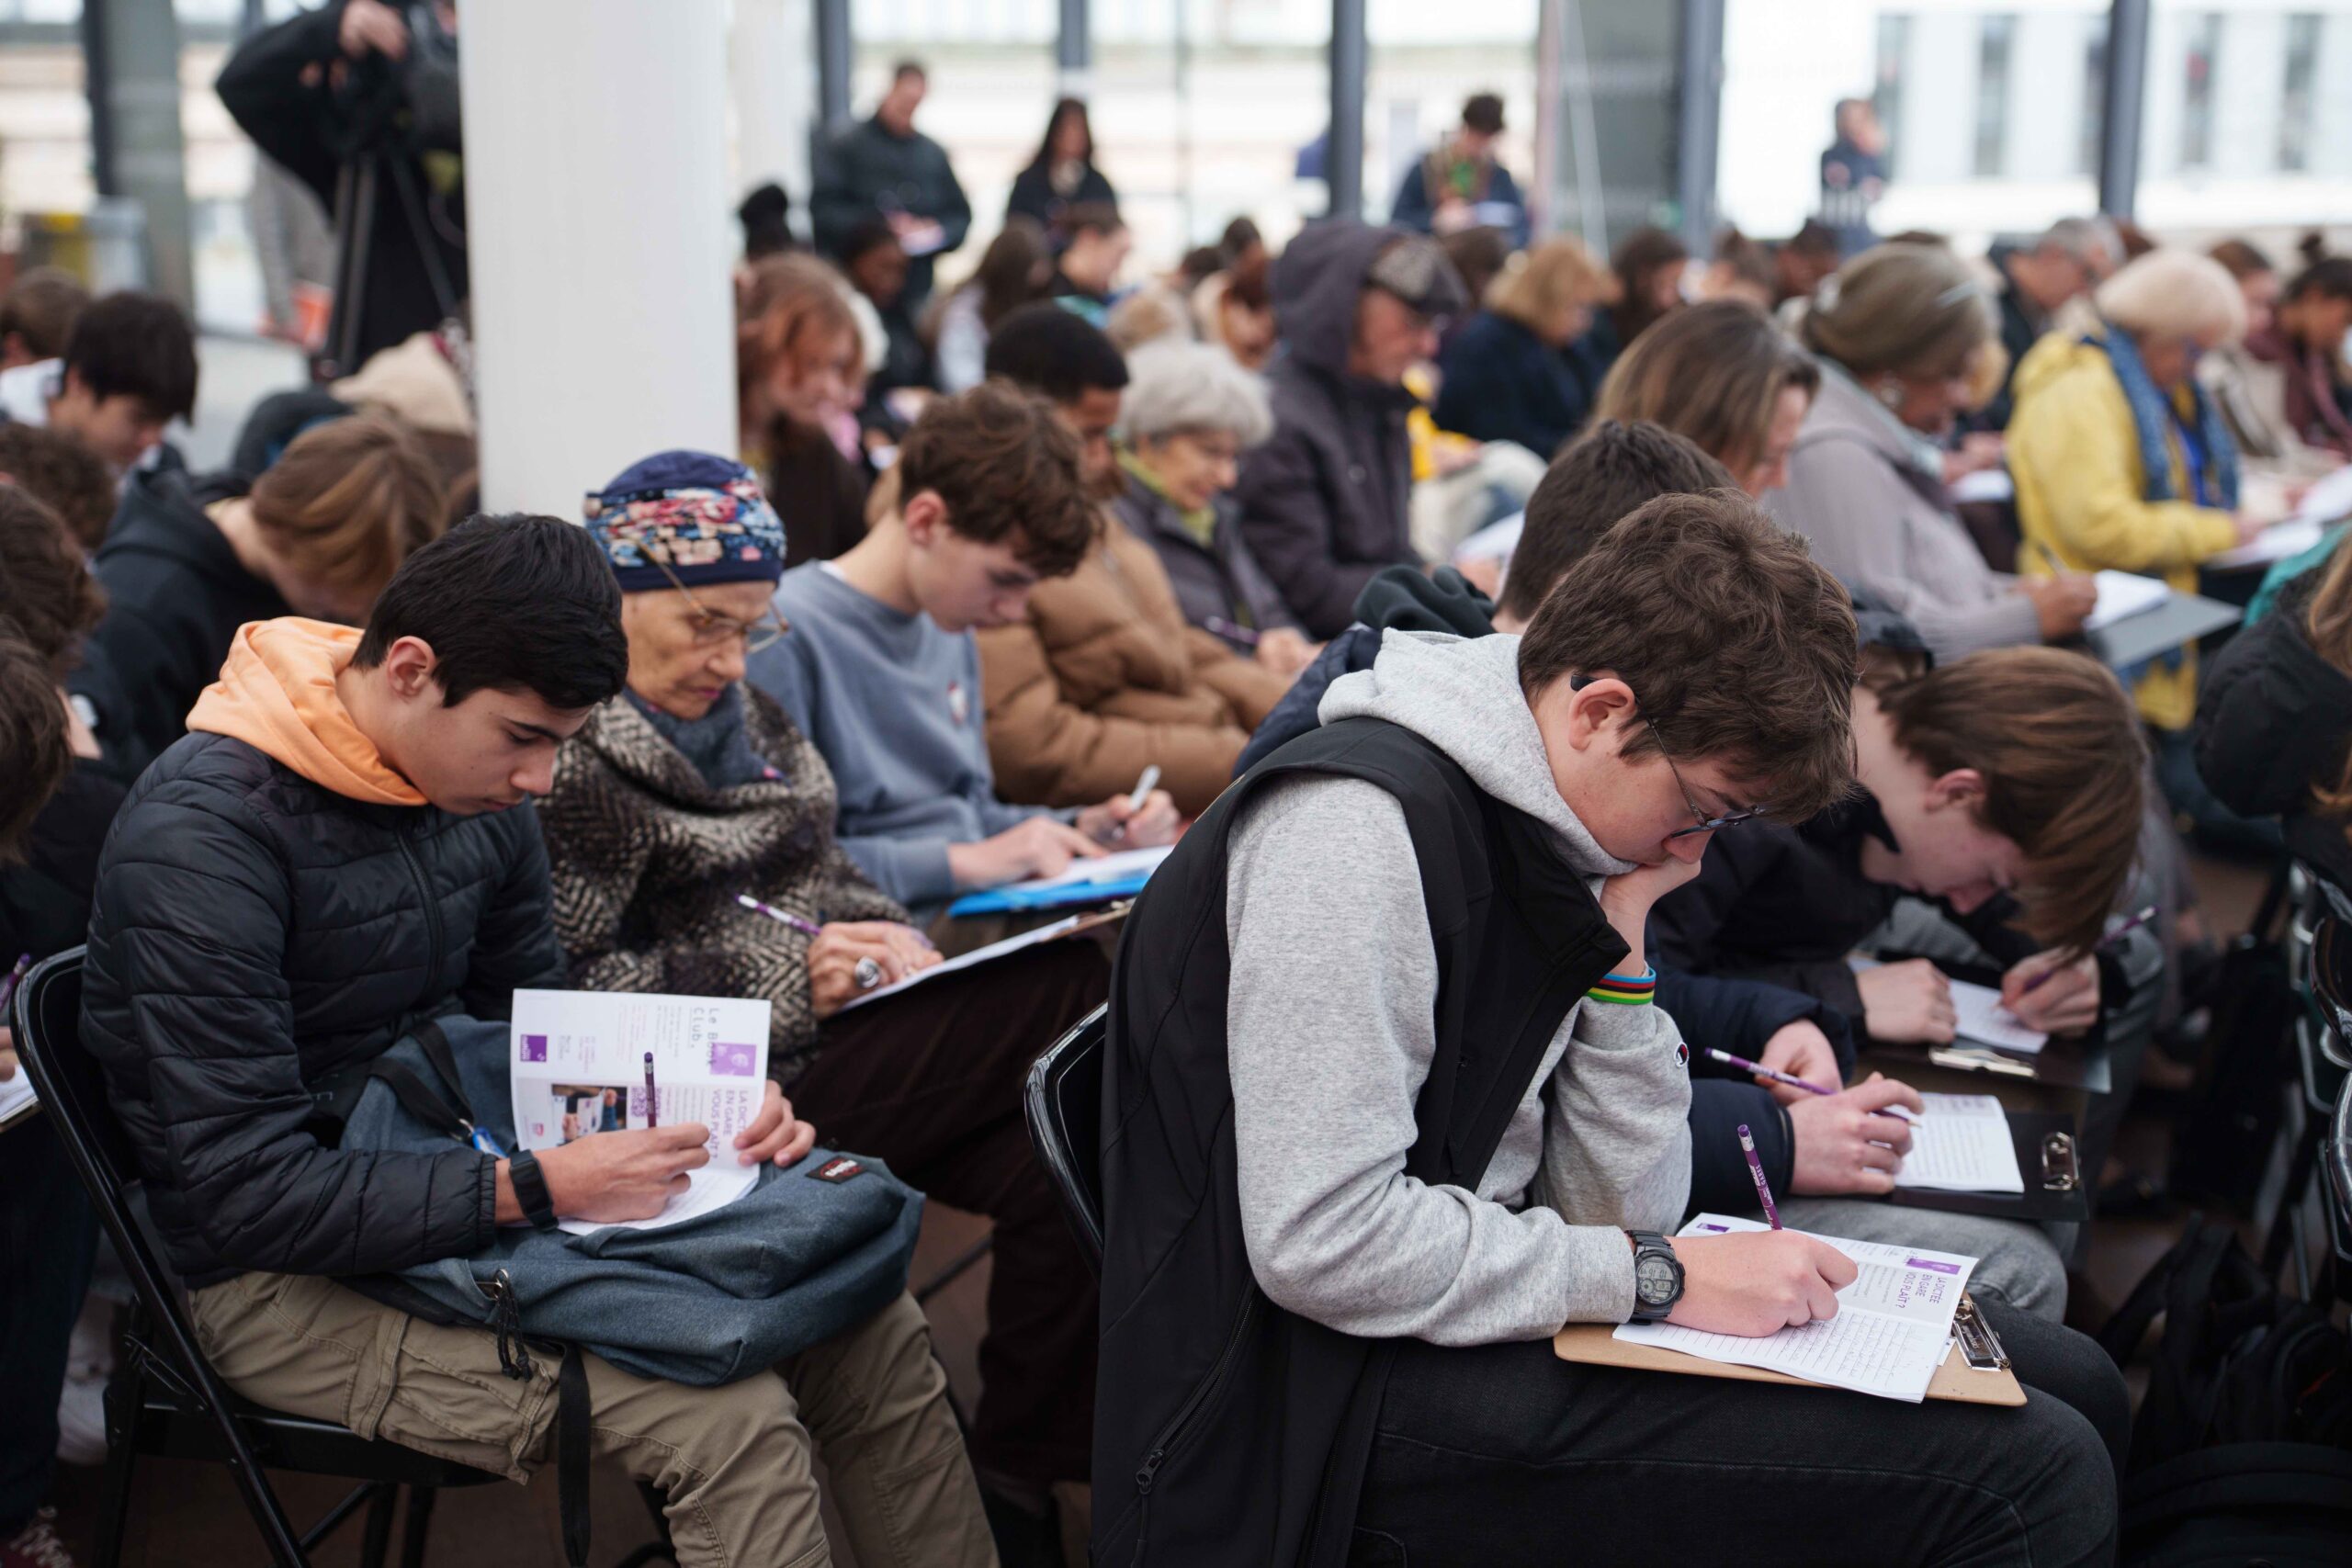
point(2196, 91)
point(2295, 100)
point(1996, 37)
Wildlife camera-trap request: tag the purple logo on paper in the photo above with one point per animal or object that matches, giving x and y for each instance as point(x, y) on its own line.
point(732, 1061)
point(1938, 1268)
point(534, 1047)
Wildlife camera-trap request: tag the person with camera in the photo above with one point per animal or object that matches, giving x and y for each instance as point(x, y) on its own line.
point(358, 100)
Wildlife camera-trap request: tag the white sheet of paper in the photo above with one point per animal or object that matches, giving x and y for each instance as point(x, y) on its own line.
point(578, 1064)
point(2123, 594)
point(978, 955)
point(1961, 1144)
point(1985, 484)
point(2277, 544)
point(715, 1185)
point(1983, 1020)
point(1495, 541)
point(1116, 866)
point(17, 1094)
point(2329, 500)
point(1888, 1337)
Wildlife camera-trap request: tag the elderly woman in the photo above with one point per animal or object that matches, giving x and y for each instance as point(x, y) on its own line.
point(1903, 341)
point(2120, 457)
point(1506, 374)
point(1722, 375)
point(1190, 413)
point(691, 790)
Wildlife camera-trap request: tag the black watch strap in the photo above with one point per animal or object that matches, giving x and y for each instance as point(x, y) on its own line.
point(1654, 1264)
point(531, 1189)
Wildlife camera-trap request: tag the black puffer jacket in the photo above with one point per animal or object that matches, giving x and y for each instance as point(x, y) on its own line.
point(255, 935)
point(175, 595)
point(2272, 722)
point(1323, 503)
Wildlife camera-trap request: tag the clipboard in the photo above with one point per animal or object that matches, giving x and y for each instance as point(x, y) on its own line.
point(2177, 622)
point(1596, 1345)
point(2047, 1158)
point(2060, 1064)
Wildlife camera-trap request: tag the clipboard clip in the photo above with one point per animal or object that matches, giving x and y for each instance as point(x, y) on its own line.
point(1978, 1344)
point(1977, 1059)
point(2059, 1171)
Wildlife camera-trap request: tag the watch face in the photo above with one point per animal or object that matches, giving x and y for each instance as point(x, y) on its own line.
point(1653, 1279)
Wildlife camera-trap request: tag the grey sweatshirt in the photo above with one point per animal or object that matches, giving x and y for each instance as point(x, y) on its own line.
point(1331, 1032)
point(893, 703)
point(1847, 495)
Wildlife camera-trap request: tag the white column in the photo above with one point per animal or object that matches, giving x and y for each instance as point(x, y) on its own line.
point(775, 97)
point(600, 235)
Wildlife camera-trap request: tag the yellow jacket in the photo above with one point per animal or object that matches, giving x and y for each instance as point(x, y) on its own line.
point(2075, 458)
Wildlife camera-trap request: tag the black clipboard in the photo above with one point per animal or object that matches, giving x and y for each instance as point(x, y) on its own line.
point(2177, 622)
point(2047, 1161)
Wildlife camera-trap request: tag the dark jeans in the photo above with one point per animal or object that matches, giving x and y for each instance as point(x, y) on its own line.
point(930, 1083)
point(48, 1236)
point(1505, 1454)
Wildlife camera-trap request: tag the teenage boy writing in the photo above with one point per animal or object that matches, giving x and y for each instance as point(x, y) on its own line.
point(1371, 1140)
point(342, 846)
point(881, 670)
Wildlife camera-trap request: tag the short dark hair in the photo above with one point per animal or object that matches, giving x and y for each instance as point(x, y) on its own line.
point(1082, 217)
point(511, 604)
point(903, 68)
point(140, 346)
point(1610, 471)
point(1006, 468)
point(41, 308)
point(45, 585)
point(1737, 645)
point(72, 480)
point(1483, 114)
point(1048, 350)
point(32, 736)
point(871, 232)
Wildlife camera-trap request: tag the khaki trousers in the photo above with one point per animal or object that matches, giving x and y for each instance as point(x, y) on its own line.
point(733, 1461)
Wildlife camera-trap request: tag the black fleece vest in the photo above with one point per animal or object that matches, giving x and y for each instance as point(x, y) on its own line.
point(1227, 1430)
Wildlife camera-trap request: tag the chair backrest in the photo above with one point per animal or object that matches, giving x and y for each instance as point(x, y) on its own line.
point(2336, 1166)
point(2331, 984)
point(73, 1089)
point(1064, 1102)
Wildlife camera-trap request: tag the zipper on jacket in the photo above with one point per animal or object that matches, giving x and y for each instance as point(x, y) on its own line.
point(432, 913)
point(1175, 1431)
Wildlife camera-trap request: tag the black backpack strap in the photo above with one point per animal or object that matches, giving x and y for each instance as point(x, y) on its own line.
point(572, 1418)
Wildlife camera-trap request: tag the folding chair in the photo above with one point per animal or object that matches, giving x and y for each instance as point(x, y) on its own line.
point(166, 1399)
point(1064, 1106)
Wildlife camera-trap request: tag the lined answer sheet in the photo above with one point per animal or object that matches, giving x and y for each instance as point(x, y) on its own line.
point(1887, 1339)
point(1983, 1020)
point(1961, 1144)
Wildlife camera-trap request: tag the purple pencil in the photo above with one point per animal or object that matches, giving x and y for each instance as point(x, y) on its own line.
point(1756, 1169)
point(805, 928)
point(649, 1089)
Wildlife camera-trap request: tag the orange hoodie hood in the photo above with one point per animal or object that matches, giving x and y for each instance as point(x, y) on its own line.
point(277, 693)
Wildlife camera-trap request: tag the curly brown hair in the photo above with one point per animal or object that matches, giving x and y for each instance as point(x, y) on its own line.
point(1728, 633)
point(32, 736)
point(74, 481)
point(45, 586)
point(1006, 468)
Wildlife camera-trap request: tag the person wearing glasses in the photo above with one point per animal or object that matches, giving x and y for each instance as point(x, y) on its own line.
point(691, 791)
point(1395, 1104)
point(1903, 336)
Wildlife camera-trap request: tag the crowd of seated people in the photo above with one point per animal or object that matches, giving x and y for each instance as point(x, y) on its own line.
point(1749, 736)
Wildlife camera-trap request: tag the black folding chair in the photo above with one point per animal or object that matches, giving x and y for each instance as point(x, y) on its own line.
point(2335, 1166)
point(166, 1399)
point(1064, 1104)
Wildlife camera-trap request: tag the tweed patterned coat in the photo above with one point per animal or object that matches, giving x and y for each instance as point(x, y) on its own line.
point(647, 860)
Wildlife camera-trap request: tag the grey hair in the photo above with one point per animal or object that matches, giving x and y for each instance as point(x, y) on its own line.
point(1174, 387)
point(2077, 237)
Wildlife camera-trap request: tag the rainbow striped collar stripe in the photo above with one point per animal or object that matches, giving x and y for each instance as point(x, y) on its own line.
point(1619, 990)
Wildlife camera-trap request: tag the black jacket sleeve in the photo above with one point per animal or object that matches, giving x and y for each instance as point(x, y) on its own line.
point(1741, 1015)
point(262, 88)
point(198, 916)
point(1687, 927)
point(1719, 1178)
point(1286, 516)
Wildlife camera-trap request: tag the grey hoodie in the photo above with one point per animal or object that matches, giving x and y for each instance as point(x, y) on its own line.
point(1330, 1031)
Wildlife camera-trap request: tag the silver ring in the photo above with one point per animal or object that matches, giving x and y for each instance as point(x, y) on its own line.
point(867, 973)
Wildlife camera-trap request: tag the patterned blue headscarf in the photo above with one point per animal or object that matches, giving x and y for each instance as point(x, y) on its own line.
point(2152, 411)
point(702, 517)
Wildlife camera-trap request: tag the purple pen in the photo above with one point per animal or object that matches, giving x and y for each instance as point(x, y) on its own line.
point(649, 1089)
point(1756, 1169)
point(2133, 924)
point(805, 928)
point(1231, 631)
point(1761, 1071)
point(8, 990)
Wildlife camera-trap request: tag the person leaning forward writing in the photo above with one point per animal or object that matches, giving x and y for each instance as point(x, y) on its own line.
point(1337, 1239)
point(344, 845)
